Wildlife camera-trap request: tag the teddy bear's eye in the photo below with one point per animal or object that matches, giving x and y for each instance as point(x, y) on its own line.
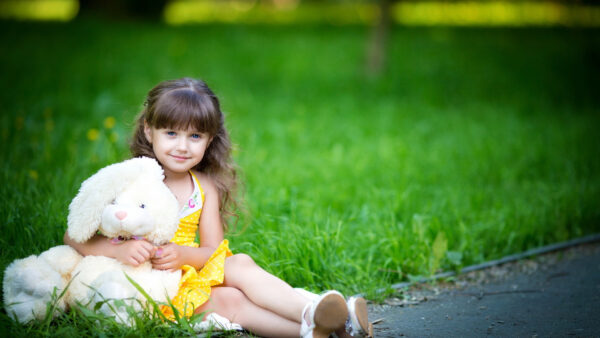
point(113, 201)
point(142, 206)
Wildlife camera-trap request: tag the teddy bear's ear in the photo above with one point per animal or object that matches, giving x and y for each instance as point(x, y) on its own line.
point(101, 189)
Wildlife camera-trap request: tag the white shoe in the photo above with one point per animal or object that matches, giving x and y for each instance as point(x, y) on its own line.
point(357, 324)
point(325, 315)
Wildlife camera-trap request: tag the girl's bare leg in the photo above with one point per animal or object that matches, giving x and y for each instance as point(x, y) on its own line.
point(262, 288)
point(232, 304)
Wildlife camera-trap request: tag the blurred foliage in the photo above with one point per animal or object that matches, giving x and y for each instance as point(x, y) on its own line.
point(43, 10)
point(340, 12)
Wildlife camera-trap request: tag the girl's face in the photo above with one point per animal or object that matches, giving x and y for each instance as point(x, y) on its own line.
point(177, 150)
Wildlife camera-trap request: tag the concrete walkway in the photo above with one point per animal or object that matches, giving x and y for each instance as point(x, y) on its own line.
point(554, 295)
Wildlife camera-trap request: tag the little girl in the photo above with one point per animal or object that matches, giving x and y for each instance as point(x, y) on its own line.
point(183, 128)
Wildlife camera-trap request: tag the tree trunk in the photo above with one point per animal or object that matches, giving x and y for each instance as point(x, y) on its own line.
point(377, 44)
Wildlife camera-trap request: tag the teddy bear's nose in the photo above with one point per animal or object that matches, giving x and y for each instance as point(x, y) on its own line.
point(121, 214)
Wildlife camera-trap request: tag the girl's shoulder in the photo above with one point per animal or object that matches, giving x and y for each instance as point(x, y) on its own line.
point(205, 181)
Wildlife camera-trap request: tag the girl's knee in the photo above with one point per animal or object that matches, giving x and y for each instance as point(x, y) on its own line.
point(238, 268)
point(239, 261)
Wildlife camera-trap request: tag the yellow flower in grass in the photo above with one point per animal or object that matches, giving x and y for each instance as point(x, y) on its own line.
point(33, 175)
point(109, 122)
point(93, 134)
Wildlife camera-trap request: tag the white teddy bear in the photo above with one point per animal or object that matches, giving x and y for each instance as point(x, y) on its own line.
point(124, 200)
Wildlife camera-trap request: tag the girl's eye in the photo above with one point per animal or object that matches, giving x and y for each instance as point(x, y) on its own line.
point(196, 136)
point(171, 133)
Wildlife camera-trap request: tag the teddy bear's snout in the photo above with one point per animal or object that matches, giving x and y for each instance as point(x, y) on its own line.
point(121, 214)
point(126, 220)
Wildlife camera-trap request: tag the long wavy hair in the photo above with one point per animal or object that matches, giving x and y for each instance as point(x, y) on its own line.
point(189, 103)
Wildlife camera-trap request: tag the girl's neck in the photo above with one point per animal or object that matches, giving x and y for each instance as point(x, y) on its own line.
point(171, 176)
point(180, 184)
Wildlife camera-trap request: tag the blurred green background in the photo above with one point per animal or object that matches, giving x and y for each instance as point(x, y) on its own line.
point(371, 151)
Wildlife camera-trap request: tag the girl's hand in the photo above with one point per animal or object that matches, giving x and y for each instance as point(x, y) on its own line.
point(168, 257)
point(133, 252)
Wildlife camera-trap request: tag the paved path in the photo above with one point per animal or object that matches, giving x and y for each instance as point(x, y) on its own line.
point(544, 297)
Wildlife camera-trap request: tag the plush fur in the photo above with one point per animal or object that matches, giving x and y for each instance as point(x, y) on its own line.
point(124, 199)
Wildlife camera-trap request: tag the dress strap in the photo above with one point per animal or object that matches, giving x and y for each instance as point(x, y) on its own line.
point(199, 186)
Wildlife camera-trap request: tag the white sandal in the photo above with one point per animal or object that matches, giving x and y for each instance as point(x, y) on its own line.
point(326, 314)
point(357, 324)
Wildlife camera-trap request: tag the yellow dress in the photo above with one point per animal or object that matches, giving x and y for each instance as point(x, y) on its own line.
point(195, 285)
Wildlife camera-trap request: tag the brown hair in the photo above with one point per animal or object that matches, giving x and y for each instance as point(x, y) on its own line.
point(189, 103)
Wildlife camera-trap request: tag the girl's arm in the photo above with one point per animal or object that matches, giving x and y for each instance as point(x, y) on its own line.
point(132, 252)
point(172, 256)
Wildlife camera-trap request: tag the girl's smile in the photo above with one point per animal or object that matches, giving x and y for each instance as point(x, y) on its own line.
point(179, 158)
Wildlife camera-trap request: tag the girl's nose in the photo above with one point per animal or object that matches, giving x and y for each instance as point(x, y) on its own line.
point(182, 143)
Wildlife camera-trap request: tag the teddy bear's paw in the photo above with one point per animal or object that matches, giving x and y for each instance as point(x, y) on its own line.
point(112, 290)
point(118, 301)
point(24, 308)
point(39, 280)
point(29, 285)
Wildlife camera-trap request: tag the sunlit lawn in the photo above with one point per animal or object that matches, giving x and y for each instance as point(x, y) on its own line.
point(474, 144)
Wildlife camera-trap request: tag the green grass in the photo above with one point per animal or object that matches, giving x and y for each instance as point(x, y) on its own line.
point(475, 143)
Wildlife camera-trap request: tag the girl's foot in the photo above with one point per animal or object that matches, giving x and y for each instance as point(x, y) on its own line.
point(357, 324)
point(324, 315)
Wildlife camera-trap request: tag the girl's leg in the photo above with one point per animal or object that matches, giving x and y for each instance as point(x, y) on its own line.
point(262, 288)
point(232, 304)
